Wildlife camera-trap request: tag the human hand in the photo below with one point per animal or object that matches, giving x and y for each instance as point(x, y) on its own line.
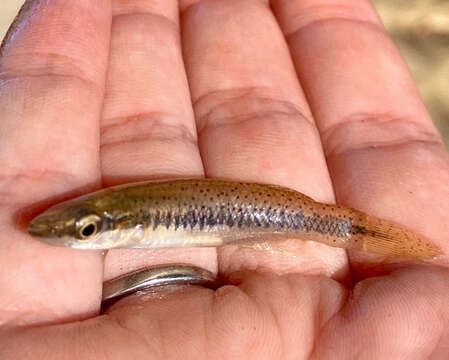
point(83, 106)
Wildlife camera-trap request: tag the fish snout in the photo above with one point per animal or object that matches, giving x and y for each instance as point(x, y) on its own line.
point(39, 227)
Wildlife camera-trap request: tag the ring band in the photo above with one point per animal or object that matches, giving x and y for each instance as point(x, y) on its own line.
point(175, 274)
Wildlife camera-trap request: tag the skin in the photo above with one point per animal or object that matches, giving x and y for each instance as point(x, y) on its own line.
point(95, 100)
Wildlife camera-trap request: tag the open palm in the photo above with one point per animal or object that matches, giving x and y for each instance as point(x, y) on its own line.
point(308, 94)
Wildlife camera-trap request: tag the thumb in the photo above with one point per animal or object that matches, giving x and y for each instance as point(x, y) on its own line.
point(258, 316)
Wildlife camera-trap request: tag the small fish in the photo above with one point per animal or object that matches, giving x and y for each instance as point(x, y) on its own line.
point(209, 212)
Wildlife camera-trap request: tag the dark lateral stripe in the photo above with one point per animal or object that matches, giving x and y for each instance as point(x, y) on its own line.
point(282, 219)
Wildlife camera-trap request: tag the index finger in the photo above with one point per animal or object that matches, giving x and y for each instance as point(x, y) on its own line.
point(52, 74)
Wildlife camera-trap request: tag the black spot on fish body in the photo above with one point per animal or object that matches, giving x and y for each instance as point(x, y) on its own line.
point(237, 215)
point(168, 219)
point(248, 219)
point(240, 219)
point(283, 223)
point(184, 221)
point(332, 227)
point(358, 229)
point(257, 220)
point(192, 218)
point(211, 219)
point(221, 218)
point(146, 219)
point(202, 219)
point(297, 221)
point(276, 219)
point(177, 221)
point(271, 217)
point(316, 222)
point(308, 224)
point(156, 220)
point(230, 219)
point(320, 227)
point(264, 219)
point(288, 220)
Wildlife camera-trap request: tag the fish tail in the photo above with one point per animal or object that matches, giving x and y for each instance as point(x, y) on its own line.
point(388, 239)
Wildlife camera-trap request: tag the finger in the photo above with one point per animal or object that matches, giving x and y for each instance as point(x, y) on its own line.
point(264, 317)
point(382, 149)
point(52, 78)
point(386, 310)
point(253, 120)
point(148, 128)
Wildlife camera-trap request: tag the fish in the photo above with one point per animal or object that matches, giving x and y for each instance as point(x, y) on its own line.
point(214, 212)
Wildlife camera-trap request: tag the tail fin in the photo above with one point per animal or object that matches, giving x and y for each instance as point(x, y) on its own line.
point(388, 239)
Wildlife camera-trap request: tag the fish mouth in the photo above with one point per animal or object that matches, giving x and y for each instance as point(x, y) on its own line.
point(42, 232)
point(38, 228)
point(45, 226)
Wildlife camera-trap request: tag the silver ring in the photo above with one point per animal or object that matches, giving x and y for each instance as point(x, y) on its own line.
point(143, 279)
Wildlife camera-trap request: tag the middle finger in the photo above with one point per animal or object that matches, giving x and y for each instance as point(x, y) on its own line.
point(252, 117)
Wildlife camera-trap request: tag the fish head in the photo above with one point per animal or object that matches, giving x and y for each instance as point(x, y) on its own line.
point(74, 223)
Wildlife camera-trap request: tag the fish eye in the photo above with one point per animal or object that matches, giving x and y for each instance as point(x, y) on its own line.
point(88, 230)
point(88, 226)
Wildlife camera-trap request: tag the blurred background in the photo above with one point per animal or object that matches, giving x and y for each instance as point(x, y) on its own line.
point(420, 28)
